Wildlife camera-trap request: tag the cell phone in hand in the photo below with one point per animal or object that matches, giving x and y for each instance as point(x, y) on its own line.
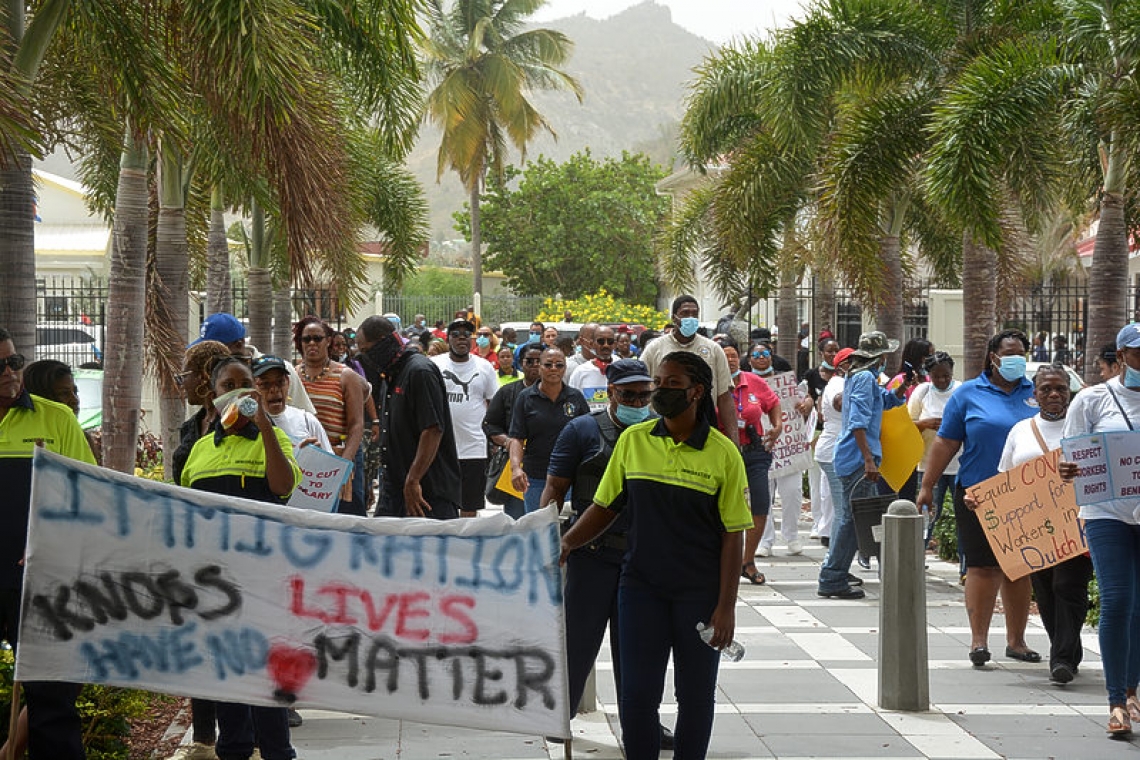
point(908, 372)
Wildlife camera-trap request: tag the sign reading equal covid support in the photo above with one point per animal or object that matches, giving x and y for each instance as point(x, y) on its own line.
point(142, 584)
point(1029, 516)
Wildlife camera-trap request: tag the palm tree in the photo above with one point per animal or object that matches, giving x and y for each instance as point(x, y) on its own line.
point(482, 62)
point(22, 50)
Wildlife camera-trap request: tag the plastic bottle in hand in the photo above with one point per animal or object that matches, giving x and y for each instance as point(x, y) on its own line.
point(246, 406)
point(734, 652)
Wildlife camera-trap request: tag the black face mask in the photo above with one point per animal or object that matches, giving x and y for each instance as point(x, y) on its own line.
point(670, 402)
point(380, 356)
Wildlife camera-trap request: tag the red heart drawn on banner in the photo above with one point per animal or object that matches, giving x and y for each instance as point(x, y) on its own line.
point(290, 668)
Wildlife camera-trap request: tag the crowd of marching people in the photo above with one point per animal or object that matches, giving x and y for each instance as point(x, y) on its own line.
point(666, 447)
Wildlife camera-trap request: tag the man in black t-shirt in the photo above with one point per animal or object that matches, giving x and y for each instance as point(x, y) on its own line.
point(417, 442)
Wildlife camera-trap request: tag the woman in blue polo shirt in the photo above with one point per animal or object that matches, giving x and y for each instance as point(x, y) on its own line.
point(977, 419)
point(684, 484)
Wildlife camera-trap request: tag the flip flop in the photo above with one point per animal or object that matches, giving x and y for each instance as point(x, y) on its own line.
point(756, 578)
point(1118, 722)
point(1133, 707)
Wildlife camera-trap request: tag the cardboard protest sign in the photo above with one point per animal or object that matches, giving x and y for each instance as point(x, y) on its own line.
point(792, 452)
point(322, 476)
point(141, 584)
point(902, 446)
point(1029, 516)
point(1108, 465)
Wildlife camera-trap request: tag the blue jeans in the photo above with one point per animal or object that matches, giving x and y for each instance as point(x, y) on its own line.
point(533, 493)
point(941, 486)
point(650, 627)
point(844, 542)
point(1115, 549)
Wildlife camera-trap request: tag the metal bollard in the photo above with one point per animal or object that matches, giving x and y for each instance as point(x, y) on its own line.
point(904, 678)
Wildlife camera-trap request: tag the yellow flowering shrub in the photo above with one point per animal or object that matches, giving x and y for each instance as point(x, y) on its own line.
point(602, 307)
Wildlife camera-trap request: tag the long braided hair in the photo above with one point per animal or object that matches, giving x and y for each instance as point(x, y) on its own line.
point(700, 373)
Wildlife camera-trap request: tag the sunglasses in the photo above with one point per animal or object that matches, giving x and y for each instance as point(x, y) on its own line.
point(15, 362)
point(531, 361)
point(632, 397)
point(604, 341)
point(312, 338)
point(758, 354)
point(181, 378)
point(554, 365)
point(459, 334)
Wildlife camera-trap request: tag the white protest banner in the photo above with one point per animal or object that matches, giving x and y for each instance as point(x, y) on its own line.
point(322, 476)
point(141, 584)
point(792, 452)
point(1108, 465)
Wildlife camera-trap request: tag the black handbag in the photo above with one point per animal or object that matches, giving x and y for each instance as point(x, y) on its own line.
point(498, 460)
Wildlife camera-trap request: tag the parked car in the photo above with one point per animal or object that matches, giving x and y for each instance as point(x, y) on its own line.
point(68, 342)
point(89, 383)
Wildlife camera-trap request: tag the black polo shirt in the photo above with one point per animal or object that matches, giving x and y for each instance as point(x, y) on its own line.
point(413, 399)
point(538, 421)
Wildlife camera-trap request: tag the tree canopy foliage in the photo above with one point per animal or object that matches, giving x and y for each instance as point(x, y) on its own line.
point(568, 228)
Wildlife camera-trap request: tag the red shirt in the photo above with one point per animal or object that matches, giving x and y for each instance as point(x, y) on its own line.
point(753, 399)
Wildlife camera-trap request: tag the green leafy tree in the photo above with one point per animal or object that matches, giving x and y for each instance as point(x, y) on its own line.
point(568, 228)
point(482, 63)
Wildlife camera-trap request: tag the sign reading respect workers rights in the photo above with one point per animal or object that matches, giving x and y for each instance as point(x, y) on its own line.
point(142, 584)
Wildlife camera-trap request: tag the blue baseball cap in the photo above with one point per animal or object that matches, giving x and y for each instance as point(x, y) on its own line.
point(1128, 337)
point(222, 327)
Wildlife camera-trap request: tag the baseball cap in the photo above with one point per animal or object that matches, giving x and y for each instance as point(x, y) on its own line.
point(627, 371)
point(843, 355)
point(1129, 336)
point(267, 362)
point(222, 327)
point(457, 324)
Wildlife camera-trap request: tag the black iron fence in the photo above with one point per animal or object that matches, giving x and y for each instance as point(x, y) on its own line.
point(71, 314)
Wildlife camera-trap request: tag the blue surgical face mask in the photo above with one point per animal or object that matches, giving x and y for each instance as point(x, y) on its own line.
point(631, 415)
point(689, 326)
point(1012, 368)
point(1131, 377)
point(825, 365)
point(482, 341)
point(735, 374)
point(535, 337)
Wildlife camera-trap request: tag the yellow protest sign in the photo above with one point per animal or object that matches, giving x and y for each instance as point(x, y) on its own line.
point(1029, 516)
point(504, 483)
point(902, 446)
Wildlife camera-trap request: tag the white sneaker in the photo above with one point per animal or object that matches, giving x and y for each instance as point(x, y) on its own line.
point(795, 547)
point(814, 534)
point(764, 551)
point(194, 751)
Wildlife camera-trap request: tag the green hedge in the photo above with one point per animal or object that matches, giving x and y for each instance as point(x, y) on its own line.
point(105, 712)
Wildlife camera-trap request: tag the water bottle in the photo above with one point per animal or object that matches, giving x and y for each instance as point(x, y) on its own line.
point(734, 652)
point(247, 406)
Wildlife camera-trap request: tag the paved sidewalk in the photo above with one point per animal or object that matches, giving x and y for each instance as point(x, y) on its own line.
point(807, 687)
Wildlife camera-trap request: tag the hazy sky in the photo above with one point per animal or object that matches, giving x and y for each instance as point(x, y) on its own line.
point(716, 20)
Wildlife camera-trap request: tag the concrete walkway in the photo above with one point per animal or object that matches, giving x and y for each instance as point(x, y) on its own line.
point(807, 688)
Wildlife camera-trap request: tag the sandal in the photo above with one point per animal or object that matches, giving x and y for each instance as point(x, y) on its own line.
point(1118, 721)
point(1133, 707)
point(756, 578)
point(1027, 655)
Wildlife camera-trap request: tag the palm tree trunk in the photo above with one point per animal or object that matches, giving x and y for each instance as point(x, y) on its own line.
point(171, 252)
point(786, 312)
point(889, 310)
point(260, 284)
point(219, 289)
point(18, 253)
point(122, 380)
point(979, 294)
point(1108, 275)
point(823, 304)
point(283, 321)
point(476, 246)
